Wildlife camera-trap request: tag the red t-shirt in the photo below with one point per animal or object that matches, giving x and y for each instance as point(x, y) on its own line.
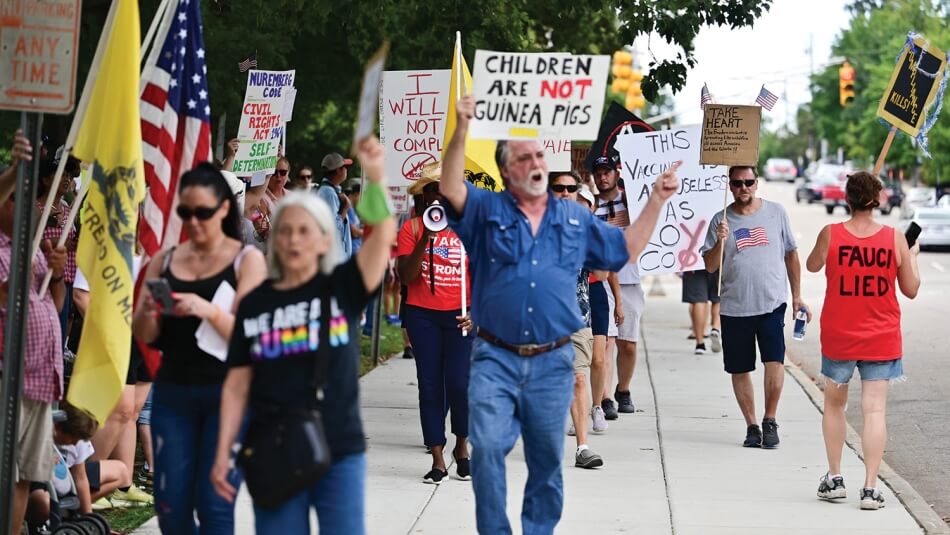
point(861, 318)
point(445, 250)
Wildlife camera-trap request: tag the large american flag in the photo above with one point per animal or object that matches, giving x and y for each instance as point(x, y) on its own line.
point(176, 119)
point(751, 237)
point(766, 98)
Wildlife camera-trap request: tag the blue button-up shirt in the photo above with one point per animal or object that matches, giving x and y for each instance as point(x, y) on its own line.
point(524, 286)
point(330, 193)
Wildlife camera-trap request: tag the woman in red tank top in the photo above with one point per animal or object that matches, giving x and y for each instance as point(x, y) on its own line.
point(864, 263)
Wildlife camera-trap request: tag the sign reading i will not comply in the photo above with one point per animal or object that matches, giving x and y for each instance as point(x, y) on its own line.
point(534, 96)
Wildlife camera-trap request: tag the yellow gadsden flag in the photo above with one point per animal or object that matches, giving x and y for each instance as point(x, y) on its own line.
point(480, 167)
point(110, 140)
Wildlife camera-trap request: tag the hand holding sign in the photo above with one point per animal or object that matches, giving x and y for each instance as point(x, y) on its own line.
point(722, 231)
point(370, 154)
point(464, 111)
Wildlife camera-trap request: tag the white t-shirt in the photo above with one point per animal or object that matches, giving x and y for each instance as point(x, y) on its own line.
point(80, 283)
point(69, 456)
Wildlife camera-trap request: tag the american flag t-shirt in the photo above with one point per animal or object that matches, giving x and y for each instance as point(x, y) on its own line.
point(750, 237)
point(176, 119)
point(452, 254)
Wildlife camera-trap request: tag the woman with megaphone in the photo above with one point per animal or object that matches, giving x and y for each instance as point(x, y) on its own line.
point(430, 265)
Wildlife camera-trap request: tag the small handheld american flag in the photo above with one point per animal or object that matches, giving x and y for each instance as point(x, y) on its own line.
point(249, 63)
point(766, 98)
point(704, 97)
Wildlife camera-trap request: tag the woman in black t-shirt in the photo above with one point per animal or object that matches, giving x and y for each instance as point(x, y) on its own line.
point(309, 301)
point(187, 390)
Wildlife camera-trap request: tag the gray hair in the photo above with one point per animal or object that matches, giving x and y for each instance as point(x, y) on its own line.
point(501, 154)
point(321, 213)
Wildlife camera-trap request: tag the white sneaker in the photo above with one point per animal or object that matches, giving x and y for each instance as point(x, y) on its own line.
point(715, 340)
point(571, 432)
point(600, 421)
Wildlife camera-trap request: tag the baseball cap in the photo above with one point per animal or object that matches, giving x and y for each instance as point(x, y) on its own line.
point(333, 161)
point(604, 161)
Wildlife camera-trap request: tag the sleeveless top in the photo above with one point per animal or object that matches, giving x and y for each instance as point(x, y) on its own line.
point(183, 362)
point(861, 319)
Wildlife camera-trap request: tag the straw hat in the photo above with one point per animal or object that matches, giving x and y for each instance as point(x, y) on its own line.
point(431, 172)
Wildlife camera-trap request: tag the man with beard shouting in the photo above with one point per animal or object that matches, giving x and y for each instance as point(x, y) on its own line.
point(526, 249)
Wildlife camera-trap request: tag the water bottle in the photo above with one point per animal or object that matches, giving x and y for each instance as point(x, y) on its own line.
point(801, 320)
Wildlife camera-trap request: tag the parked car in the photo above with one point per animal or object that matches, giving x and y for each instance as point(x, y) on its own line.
point(829, 180)
point(780, 169)
point(833, 194)
point(894, 192)
point(807, 190)
point(934, 225)
point(918, 197)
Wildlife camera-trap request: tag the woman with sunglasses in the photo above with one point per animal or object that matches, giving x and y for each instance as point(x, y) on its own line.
point(430, 265)
point(272, 367)
point(187, 391)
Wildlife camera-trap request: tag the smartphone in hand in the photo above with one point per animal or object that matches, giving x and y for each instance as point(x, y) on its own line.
point(912, 233)
point(162, 293)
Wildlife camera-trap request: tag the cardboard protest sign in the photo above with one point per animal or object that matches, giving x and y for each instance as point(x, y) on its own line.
point(411, 121)
point(684, 220)
point(532, 96)
point(261, 127)
point(557, 154)
point(579, 152)
point(369, 96)
point(913, 86)
point(730, 135)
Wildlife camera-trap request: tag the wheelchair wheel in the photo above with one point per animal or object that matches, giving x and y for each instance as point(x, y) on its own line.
point(70, 529)
point(90, 525)
point(100, 521)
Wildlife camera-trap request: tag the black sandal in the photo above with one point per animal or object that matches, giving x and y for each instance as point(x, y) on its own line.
point(435, 476)
point(463, 468)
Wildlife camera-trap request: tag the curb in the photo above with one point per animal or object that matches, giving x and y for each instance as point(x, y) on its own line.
point(916, 505)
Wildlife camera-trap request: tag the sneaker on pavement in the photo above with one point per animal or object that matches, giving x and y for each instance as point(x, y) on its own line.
point(600, 420)
point(769, 433)
point(753, 437)
point(624, 403)
point(832, 488)
point(102, 504)
point(700, 349)
point(610, 409)
point(407, 353)
point(463, 468)
point(715, 339)
point(571, 432)
point(132, 497)
point(871, 499)
point(587, 459)
point(435, 476)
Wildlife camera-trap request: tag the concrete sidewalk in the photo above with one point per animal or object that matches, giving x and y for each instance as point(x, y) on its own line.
point(676, 466)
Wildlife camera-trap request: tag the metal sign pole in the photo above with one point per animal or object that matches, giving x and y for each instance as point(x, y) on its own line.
point(377, 319)
point(19, 283)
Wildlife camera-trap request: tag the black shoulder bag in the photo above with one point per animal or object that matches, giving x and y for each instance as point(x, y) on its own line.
point(286, 450)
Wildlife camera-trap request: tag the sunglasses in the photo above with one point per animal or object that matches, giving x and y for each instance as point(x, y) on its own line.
point(739, 183)
point(203, 213)
point(282, 172)
point(561, 188)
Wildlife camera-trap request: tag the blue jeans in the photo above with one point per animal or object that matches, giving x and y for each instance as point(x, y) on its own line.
point(185, 422)
point(338, 498)
point(443, 358)
point(510, 395)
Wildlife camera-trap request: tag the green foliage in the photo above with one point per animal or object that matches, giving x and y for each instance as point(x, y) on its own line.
point(871, 43)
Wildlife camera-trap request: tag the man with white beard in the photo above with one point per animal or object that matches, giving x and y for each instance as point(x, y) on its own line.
point(526, 248)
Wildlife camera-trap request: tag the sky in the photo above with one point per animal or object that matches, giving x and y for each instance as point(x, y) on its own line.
point(774, 51)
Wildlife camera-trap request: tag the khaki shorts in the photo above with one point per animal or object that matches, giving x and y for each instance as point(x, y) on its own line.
point(35, 457)
point(583, 341)
point(633, 304)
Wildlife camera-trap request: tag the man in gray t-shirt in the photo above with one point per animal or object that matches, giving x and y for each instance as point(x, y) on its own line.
point(761, 261)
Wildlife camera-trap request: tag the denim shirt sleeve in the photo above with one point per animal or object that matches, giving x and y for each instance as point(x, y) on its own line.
point(606, 246)
point(466, 226)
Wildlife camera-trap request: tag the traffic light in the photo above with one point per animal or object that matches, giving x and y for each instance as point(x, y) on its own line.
point(622, 69)
point(635, 100)
point(845, 83)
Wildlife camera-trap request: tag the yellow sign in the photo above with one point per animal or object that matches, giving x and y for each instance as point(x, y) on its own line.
point(912, 87)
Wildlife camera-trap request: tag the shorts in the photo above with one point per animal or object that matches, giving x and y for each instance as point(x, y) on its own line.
point(840, 371)
point(740, 335)
point(35, 455)
point(599, 309)
point(700, 286)
point(145, 415)
point(583, 341)
point(93, 475)
point(138, 372)
point(633, 304)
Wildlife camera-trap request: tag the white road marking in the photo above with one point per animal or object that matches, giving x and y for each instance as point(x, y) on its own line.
point(938, 267)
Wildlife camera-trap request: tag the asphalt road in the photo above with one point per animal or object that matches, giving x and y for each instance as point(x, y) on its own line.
point(918, 418)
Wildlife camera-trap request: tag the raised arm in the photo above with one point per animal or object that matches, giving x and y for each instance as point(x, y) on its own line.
point(22, 152)
point(373, 256)
point(452, 184)
point(638, 234)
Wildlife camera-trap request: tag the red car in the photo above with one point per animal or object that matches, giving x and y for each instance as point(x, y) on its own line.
point(833, 194)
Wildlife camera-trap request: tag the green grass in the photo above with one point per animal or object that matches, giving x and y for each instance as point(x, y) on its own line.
point(126, 519)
